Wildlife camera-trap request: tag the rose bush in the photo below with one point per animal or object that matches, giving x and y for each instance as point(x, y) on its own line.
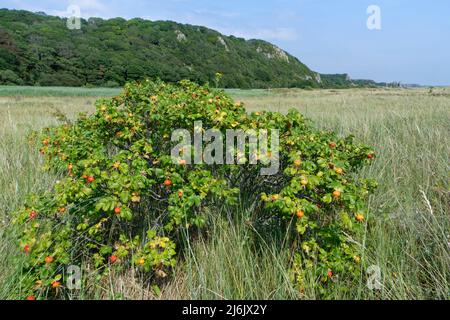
point(123, 203)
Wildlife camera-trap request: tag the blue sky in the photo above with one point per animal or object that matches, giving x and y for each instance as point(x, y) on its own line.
point(330, 36)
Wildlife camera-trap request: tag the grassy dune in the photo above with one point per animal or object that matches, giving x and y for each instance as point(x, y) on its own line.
point(408, 237)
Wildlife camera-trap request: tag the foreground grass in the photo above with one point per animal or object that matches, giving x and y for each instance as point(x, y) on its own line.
point(408, 237)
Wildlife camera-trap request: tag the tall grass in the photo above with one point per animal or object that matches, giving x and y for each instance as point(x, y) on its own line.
point(30, 91)
point(20, 167)
point(238, 261)
point(407, 238)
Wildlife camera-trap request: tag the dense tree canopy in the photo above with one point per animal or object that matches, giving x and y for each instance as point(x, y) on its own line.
point(37, 49)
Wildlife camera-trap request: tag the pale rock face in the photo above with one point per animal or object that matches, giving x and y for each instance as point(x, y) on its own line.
point(318, 78)
point(222, 42)
point(180, 36)
point(275, 53)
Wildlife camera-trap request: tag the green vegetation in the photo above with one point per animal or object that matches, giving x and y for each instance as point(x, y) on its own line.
point(29, 91)
point(36, 49)
point(341, 81)
point(123, 203)
point(407, 234)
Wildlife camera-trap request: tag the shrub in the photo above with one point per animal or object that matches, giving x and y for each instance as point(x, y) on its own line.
point(111, 84)
point(8, 77)
point(63, 79)
point(122, 202)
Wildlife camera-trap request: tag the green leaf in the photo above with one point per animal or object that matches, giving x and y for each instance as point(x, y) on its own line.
point(327, 198)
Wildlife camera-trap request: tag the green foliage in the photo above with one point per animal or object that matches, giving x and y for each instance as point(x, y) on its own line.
point(122, 203)
point(342, 81)
point(41, 50)
point(63, 79)
point(8, 77)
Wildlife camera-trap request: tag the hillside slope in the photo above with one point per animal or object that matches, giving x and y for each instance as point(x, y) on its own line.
point(37, 49)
